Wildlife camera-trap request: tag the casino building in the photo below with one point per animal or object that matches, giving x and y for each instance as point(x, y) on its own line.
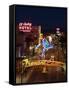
point(30, 67)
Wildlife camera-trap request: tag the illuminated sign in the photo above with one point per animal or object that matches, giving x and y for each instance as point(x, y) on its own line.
point(58, 31)
point(25, 27)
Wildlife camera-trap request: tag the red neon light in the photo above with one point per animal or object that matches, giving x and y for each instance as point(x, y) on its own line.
point(25, 27)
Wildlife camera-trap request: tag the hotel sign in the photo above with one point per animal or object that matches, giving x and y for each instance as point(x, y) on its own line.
point(25, 27)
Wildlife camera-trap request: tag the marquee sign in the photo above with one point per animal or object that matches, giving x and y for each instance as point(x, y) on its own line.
point(25, 27)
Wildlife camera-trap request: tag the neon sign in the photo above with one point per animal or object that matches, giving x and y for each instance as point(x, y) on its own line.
point(25, 27)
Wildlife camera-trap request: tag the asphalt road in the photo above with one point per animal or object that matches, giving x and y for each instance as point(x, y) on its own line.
point(40, 74)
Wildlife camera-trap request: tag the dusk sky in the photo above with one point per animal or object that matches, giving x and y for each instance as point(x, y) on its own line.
point(48, 17)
